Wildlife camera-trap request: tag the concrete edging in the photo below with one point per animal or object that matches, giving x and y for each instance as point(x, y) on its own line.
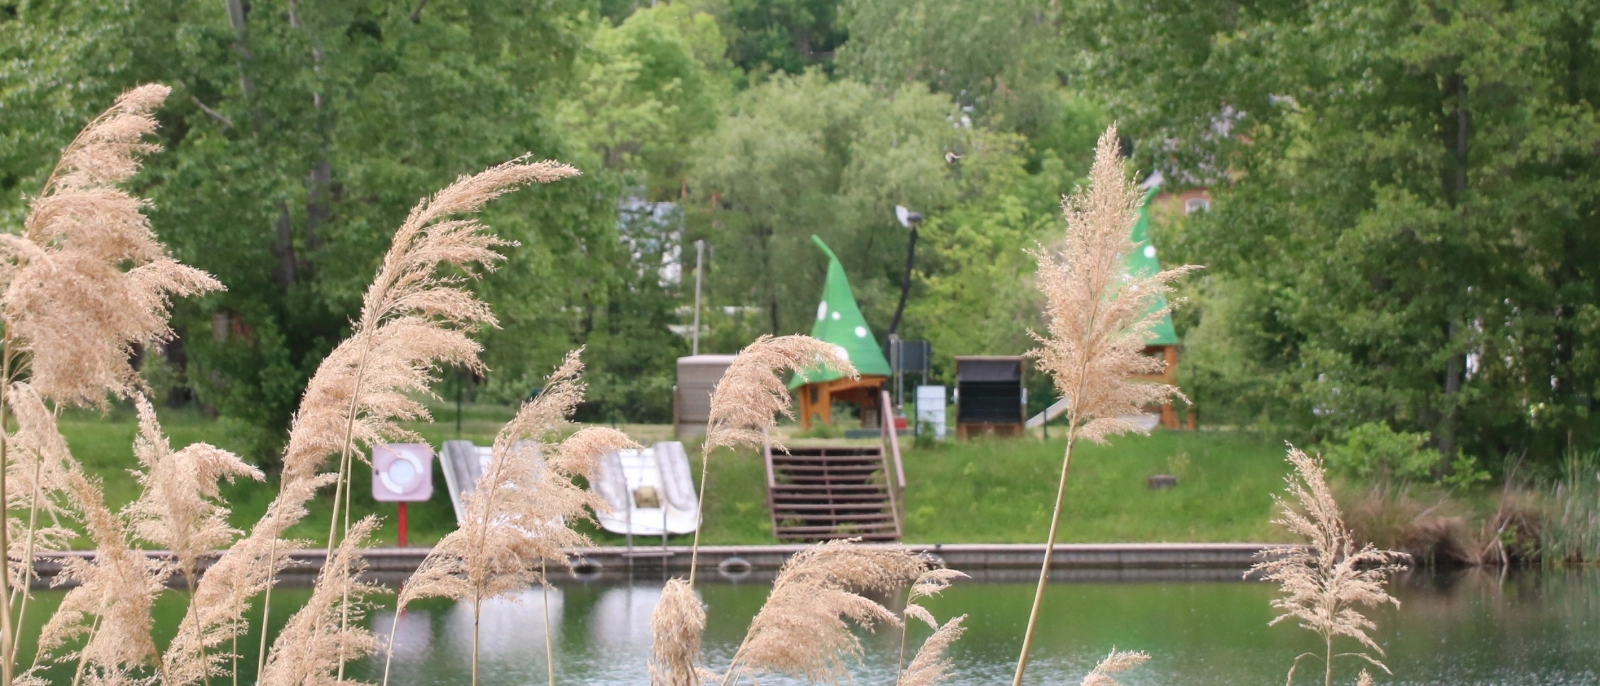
point(989, 561)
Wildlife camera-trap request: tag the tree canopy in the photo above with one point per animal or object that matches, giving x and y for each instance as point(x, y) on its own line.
point(1403, 192)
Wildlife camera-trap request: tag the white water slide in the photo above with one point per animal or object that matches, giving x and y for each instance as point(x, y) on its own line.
point(650, 491)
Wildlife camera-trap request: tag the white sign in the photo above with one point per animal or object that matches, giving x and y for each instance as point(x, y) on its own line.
point(930, 410)
point(402, 472)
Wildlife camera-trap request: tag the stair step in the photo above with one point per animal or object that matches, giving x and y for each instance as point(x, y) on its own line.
point(875, 464)
point(828, 490)
point(821, 518)
point(880, 497)
point(865, 455)
point(879, 506)
point(829, 452)
point(834, 530)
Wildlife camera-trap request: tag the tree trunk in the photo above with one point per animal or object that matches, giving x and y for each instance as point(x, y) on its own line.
point(319, 202)
point(284, 248)
point(1455, 192)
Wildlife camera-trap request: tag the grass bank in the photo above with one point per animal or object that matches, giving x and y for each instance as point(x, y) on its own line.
point(983, 491)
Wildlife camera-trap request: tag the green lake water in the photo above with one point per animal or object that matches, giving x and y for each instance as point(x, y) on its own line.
point(1528, 629)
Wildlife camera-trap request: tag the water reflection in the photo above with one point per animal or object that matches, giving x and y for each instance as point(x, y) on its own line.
point(1530, 629)
point(433, 642)
point(1469, 628)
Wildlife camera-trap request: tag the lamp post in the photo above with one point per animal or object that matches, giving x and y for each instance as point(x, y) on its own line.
point(910, 220)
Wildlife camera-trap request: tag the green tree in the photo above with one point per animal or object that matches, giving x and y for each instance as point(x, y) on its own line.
point(1409, 188)
point(645, 90)
point(1001, 61)
point(801, 156)
point(297, 137)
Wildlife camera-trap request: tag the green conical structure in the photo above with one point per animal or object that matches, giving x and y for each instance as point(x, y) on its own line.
point(839, 322)
point(1143, 263)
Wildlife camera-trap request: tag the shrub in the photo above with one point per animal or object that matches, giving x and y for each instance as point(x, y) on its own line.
point(1373, 450)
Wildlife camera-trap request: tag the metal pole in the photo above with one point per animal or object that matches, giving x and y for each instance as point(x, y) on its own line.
point(401, 520)
point(905, 283)
point(699, 276)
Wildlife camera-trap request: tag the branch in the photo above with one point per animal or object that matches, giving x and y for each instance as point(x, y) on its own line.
point(211, 112)
point(416, 14)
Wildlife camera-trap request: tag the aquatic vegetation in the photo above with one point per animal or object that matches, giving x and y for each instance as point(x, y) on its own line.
point(1328, 580)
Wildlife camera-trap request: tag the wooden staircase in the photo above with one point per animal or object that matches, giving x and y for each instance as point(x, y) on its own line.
point(817, 493)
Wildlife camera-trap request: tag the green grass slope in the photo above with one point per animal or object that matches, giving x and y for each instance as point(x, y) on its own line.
point(982, 491)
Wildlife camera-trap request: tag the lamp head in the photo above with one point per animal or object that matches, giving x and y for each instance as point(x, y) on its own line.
point(907, 218)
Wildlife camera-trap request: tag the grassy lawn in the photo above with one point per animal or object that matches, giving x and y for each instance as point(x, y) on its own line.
point(991, 491)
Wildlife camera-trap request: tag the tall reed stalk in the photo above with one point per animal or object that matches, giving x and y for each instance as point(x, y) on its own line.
point(746, 403)
point(1099, 317)
point(1327, 581)
point(413, 321)
point(84, 282)
point(514, 521)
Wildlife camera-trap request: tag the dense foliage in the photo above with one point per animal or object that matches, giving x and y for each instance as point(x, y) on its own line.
point(1404, 192)
point(1407, 229)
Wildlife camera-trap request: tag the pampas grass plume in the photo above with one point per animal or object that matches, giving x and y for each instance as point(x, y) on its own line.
point(181, 508)
point(512, 519)
point(110, 604)
point(803, 630)
point(223, 595)
point(1116, 662)
point(930, 666)
point(37, 460)
point(1099, 317)
point(675, 629)
point(87, 279)
point(323, 634)
point(751, 395)
point(1326, 582)
point(413, 320)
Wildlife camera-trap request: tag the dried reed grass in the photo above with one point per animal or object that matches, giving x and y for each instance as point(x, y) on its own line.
point(36, 467)
point(87, 280)
point(109, 608)
point(1098, 319)
point(181, 508)
point(751, 395)
point(245, 570)
point(1099, 316)
point(803, 630)
point(81, 286)
point(930, 666)
point(931, 583)
point(413, 320)
point(320, 638)
point(1326, 581)
point(675, 629)
point(1115, 663)
point(514, 521)
point(746, 403)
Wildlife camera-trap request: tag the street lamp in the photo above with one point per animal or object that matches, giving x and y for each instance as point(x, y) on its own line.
point(910, 220)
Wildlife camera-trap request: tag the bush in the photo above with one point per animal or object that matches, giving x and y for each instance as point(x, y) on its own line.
point(1373, 450)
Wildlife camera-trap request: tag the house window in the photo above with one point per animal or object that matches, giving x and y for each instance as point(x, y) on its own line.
point(1193, 205)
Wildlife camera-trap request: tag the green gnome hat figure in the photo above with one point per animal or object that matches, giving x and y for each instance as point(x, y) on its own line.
point(839, 322)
